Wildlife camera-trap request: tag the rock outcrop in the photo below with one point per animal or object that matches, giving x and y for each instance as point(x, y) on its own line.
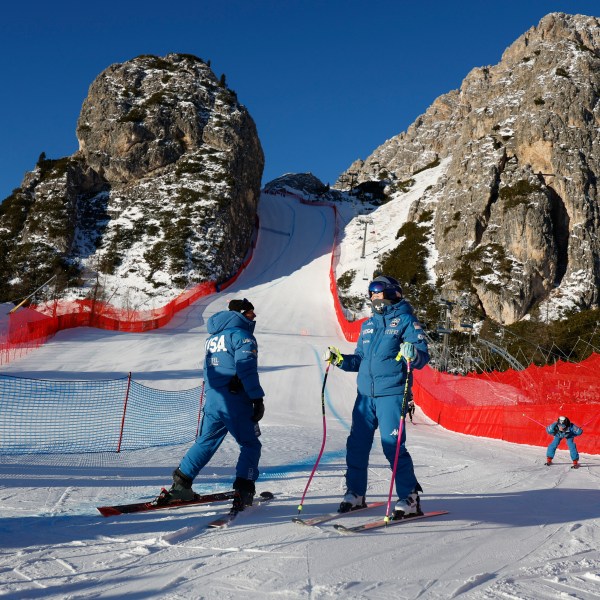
point(517, 215)
point(162, 193)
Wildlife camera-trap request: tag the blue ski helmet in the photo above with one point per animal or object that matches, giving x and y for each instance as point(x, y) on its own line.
point(389, 286)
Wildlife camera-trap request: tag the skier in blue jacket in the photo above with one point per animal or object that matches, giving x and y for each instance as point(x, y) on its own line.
point(390, 338)
point(563, 429)
point(234, 403)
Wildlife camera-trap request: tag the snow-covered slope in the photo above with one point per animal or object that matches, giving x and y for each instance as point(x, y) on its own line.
point(516, 529)
point(362, 256)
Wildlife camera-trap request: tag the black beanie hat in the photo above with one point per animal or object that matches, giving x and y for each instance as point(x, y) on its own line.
point(241, 305)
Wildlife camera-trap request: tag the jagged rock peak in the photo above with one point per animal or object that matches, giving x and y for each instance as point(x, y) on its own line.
point(161, 194)
point(144, 114)
point(517, 219)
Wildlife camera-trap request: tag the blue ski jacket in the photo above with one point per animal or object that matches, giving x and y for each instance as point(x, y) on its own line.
point(570, 432)
point(379, 373)
point(232, 350)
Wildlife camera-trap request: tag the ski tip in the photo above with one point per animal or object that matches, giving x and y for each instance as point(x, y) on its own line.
point(341, 529)
point(221, 524)
point(108, 511)
point(267, 495)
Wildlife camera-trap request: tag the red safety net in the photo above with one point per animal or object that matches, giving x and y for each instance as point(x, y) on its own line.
point(31, 327)
point(350, 329)
point(514, 406)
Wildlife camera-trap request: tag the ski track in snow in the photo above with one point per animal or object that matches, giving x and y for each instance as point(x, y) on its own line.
point(516, 529)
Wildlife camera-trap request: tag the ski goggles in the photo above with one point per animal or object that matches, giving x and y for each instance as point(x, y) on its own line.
point(376, 287)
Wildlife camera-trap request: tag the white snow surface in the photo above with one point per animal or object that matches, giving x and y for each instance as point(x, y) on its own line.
point(515, 529)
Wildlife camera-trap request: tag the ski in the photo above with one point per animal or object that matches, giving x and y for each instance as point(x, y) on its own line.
point(159, 503)
point(227, 519)
point(383, 523)
point(333, 515)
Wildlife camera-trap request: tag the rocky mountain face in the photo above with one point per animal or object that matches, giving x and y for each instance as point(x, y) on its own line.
point(161, 194)
point(517, 213)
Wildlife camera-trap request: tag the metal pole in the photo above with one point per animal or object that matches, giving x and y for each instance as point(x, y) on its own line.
point(398, 442)
point(534, 420)
point(12, 310)
point(364, 240)
point(124, 411)
point(324, 438)
point(200, 409)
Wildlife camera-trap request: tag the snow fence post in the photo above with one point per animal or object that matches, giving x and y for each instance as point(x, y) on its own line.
point(124, 411)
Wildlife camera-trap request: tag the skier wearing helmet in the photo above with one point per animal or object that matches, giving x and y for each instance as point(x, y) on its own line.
point(563, 429)
point(387, 341)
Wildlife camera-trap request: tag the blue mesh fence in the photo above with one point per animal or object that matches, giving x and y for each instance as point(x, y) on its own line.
point(159, 417)
point(44, 416)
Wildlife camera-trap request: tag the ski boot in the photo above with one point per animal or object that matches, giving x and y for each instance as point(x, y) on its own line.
point(351, 501)
point(180, 490)
point(548, 461)
point(410, 506)
point(244, 493)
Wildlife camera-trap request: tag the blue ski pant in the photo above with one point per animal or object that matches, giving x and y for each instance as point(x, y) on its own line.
point(225, 413)
point(370, 413)
point(555, 443)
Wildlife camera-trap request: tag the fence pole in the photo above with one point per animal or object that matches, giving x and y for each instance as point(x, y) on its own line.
point(124, 411)
point(200, 409)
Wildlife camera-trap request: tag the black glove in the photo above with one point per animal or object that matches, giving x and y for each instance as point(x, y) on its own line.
point(259, 409)
point(235, 385)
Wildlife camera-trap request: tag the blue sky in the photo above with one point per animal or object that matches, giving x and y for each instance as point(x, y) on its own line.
point(326, 81)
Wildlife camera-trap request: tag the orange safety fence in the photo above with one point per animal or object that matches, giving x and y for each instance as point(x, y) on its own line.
point(350, 329)
point(514, 406)
point(517, 410)
point(29, 328)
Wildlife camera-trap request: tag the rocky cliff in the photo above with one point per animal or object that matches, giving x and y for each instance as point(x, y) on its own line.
point(516, 213)
point(162, 193)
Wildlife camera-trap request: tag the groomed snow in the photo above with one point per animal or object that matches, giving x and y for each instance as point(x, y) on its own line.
point(516, 529)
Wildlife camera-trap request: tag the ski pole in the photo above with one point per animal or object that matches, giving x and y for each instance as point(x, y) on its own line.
point(589, 421)
point(534, 420)
point(398, 443)
point(324, 438)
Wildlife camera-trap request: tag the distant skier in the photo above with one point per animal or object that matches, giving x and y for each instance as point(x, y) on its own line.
point(234, 403)
point(563, 429)
point(393, 329)
point(411, 409)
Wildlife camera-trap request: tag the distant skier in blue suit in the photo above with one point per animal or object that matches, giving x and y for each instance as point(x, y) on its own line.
point(563, 429)
point(234, 403)
point(392, 329)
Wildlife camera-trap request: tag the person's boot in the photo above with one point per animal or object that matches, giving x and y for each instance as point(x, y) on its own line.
point(244, 493)
point(351, 501)
point(575, 464)
point(182, 487)
point(548, 461)
point(410, 506)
